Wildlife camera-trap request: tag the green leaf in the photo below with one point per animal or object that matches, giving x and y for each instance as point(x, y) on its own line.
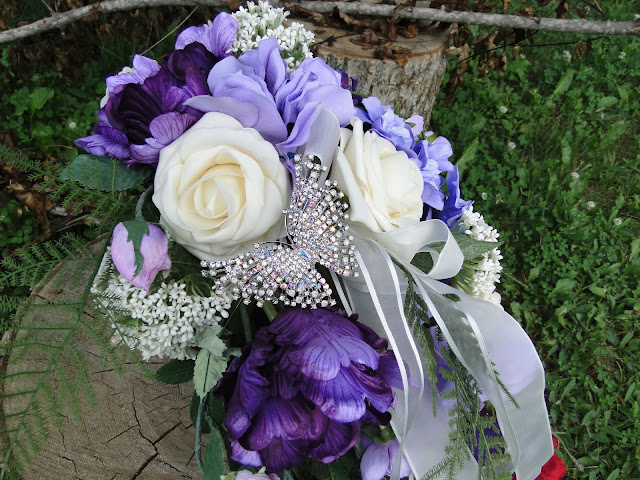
point(564, 84)
point(423, 261)
point(452, 296)
point(216, 410)
point(472, 248)
point(214, 465)
point(136, 231)
point(209, 339)
point(39, 97)
point(175, 371)
point(194, 407)
point(468, 155)
point(601, 292)
point(613, 475)
point(207, 372)
point(564, 286)
point(606, 102)
point(105, 173)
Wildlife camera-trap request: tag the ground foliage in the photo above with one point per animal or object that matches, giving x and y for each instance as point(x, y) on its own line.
point(560, 193)
point(554, 139)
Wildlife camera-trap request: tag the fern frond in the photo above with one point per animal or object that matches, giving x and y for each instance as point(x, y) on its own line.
point(46, 377)
point(30, 265)
point(107, 207)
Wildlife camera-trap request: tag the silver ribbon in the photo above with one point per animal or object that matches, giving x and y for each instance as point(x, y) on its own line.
point(481, 335)
point(478, 333)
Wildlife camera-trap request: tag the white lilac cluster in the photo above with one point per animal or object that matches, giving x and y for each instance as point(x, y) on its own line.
point(163, 322)
point(479, 278)
point(260, 21)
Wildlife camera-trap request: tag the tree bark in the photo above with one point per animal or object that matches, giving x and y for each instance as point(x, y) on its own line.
point(410, 88)
point(59, 20)
point(137, 428)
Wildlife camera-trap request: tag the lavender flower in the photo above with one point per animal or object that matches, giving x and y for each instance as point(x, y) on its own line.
point(432, 158)
point(312, 84)
point(216, 36)
point(246, 475)
point(154, 249)
point(378, 459)
point(244, 87)
point(302, 387)
point(388, 125)
point(145, 110)
point(454, 206)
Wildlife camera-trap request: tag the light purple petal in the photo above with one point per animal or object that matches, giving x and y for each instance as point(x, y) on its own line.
point(418, 124)
point(373, 106)
point(143, 67)
point(245, 113)
point(154, 249)
point(104, 145)
point(244, 456)
point(375, 462)
point(217, 37)
point(340, 399)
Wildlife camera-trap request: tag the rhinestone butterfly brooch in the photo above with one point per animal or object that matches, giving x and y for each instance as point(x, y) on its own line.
point(285, 271)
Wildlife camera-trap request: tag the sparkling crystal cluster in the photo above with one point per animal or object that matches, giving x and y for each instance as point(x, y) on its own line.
point(285, 272)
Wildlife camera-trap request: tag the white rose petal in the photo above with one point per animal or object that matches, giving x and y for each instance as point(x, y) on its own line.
point(383, 185)
point(221, 187)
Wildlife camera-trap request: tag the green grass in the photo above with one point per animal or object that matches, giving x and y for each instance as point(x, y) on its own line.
point(566, 200)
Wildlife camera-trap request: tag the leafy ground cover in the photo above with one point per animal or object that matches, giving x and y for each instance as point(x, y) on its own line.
point(553, 161)
point(549, 151)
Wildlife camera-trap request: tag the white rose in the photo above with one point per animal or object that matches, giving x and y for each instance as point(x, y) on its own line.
point(383, 185)
point(220, 187)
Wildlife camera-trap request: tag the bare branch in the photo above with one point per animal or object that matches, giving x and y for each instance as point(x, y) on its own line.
point(59, 20)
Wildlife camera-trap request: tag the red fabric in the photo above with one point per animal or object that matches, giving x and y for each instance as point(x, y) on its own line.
point(554, 469)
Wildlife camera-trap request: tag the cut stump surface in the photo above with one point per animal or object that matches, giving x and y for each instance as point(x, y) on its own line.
point(134, 428)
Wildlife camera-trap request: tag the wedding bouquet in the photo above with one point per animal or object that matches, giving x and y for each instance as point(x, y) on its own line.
point(304, 255)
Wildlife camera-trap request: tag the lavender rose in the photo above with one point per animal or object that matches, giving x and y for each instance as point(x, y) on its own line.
point(302, 387)
point(154, 250)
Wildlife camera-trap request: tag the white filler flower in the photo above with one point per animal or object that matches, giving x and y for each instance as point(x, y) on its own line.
point(479, 278)
point(257, 22)
point(161, 323)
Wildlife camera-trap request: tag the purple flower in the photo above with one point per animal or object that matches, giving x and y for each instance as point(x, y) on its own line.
point(302, 387)
point(243, 88)
point(432, 158)
point(378, 459)
point(454, 206)
point(312, 84)
point(388, 125)
point(145, 111)
point(216, 36)
point(154, 249)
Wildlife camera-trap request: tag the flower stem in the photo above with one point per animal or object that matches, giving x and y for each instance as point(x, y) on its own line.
point(198, 435)
point(269, 310)
point(246, 323)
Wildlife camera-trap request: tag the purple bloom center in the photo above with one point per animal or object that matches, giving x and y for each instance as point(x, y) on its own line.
point(302, 387)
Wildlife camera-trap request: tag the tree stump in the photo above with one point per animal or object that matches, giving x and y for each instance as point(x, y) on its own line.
point(134, 428)
point(410, 89)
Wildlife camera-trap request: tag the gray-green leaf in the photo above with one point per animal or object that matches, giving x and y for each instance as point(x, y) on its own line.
point(209, 339)
point(207, 372)
point(472, 248)
point(105, 173)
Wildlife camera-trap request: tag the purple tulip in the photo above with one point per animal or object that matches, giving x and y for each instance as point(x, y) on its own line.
point(154, 249)
point(146, 109)
point(378, 459)
point(302, 387)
